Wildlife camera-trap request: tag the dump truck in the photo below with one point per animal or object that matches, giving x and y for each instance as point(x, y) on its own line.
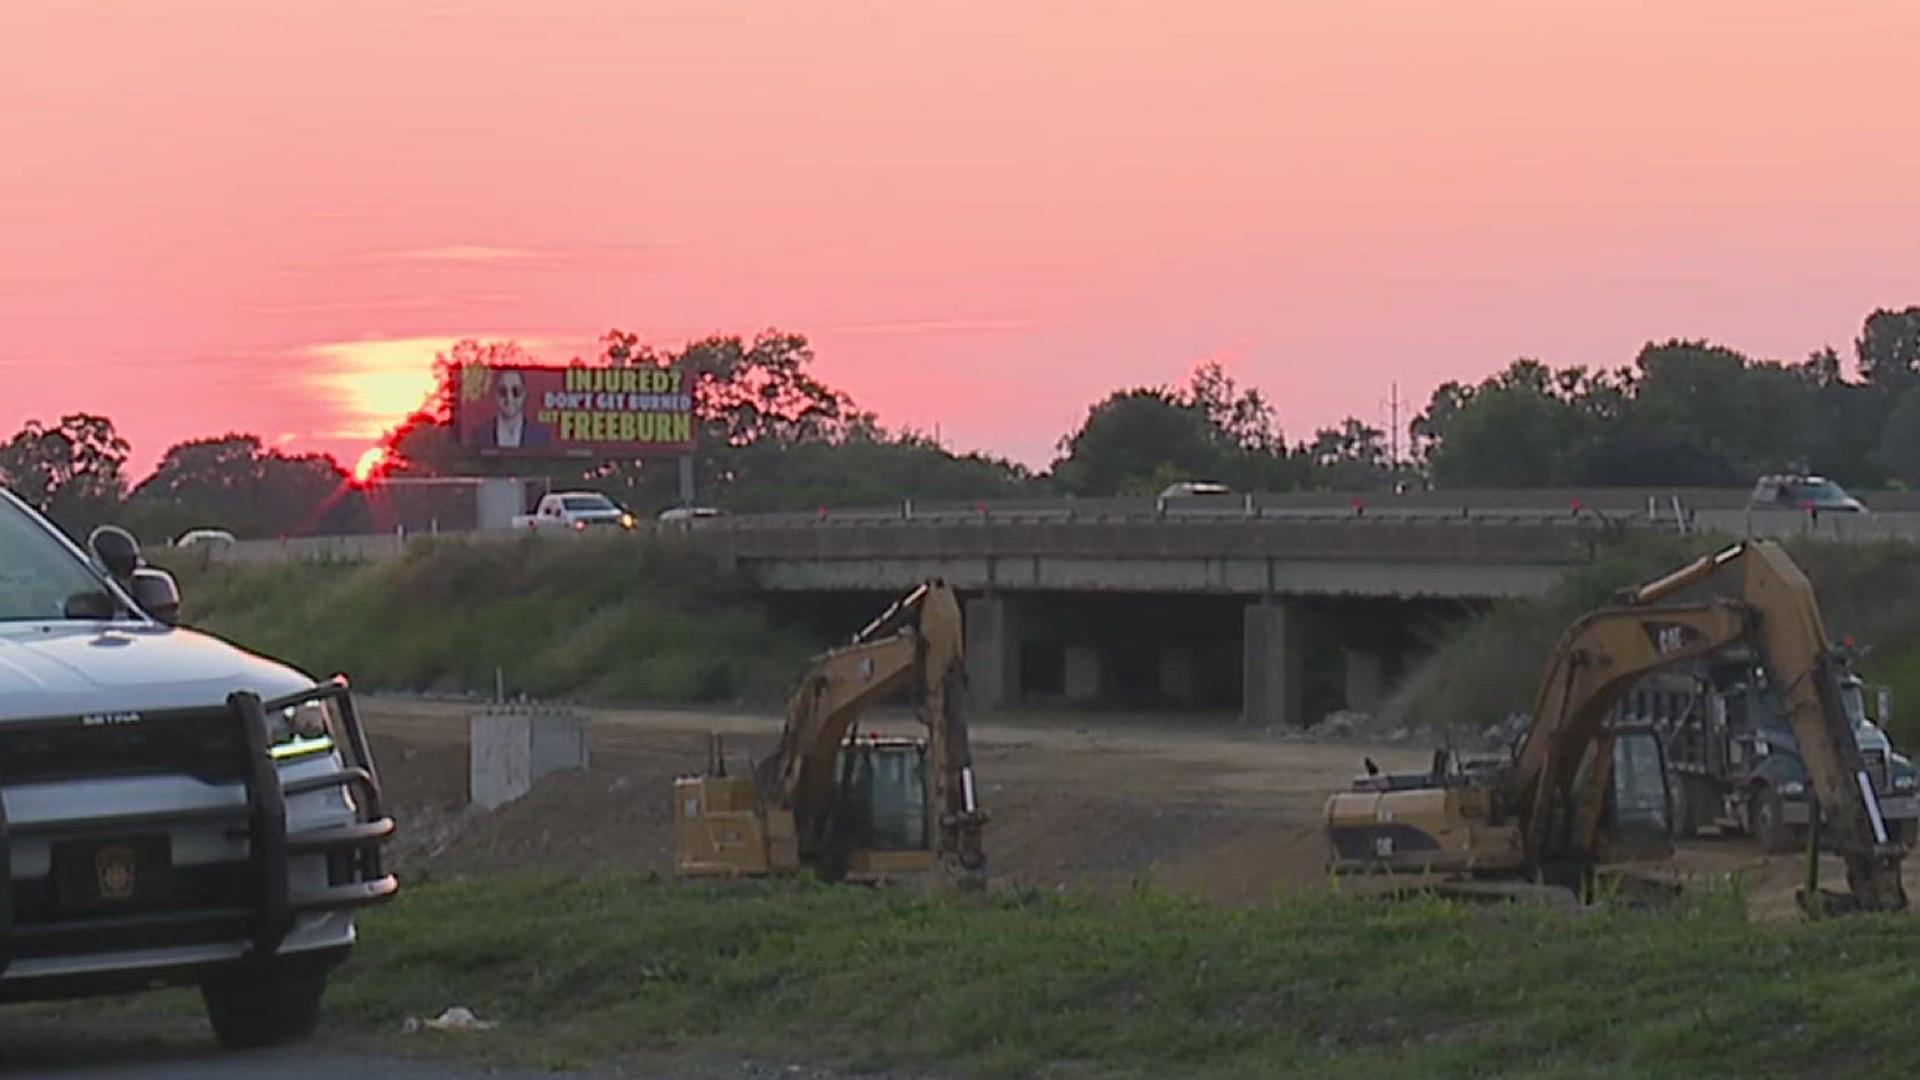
point(1734, 763)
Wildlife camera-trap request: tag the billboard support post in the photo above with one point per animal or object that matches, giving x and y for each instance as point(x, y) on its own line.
point(686, 479)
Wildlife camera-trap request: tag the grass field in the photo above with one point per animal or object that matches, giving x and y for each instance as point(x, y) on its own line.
point(613, 619)
point(583, 971)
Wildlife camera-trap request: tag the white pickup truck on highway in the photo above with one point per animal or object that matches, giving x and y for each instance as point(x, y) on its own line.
point(173, 809)
point(575, 510)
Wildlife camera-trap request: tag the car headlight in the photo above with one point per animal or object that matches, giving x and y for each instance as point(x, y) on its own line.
point(626, 521)
point(306, 728)
point(1793, 788)
point(1904, 782)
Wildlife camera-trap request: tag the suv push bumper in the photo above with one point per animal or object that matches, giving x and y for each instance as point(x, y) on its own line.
point(253, 928)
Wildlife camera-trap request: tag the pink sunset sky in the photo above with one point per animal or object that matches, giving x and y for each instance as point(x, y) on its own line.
point(986, 214)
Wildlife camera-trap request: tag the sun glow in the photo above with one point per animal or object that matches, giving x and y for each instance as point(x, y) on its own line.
point(370, 465)
point(377, 383)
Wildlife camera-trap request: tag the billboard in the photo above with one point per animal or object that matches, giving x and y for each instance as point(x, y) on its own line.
point(526, 411)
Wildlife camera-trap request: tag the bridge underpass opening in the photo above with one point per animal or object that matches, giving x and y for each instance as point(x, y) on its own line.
point(1274, 662)
point(1280, 661)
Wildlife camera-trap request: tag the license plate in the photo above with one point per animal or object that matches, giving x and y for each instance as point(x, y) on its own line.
point(125, 871)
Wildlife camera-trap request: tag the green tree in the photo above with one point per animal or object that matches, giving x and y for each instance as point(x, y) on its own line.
point(74, 471)
point(1134, 438)
point(1351, 457)
point(234, 482)
point(865, 467)
point(1888, 349)
point(1511, 436)
point(1900, 439)
point(1136, 441)
point(1525, 426)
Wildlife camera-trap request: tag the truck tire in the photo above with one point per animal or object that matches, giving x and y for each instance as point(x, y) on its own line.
point(267, 1005)
point(1686, 816)
point(1767, 821)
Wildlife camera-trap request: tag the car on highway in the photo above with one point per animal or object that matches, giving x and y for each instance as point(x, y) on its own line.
point(690, 513)
point(1189, 488)
point(174, 810)
point(1793, 491)
point(575, 511)
point(205, 538)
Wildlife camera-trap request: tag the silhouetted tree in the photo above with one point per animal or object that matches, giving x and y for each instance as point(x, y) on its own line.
point(236, 483)
point(74, 471)
point(1888, 349)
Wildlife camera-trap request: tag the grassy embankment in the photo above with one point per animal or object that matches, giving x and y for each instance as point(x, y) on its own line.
point(610, 967)
point(619, 619)
point(1488, 666)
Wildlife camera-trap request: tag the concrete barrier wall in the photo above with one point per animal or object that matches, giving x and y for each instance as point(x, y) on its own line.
point(1337, 541)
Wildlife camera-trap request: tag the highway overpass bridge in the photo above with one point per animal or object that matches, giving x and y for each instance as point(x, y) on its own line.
point(1281, 606)
point(1169, 609)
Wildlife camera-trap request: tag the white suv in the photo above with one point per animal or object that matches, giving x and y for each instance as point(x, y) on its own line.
point(173, 809)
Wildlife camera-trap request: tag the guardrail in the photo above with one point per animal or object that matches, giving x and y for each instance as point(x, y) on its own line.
point(1421, 510)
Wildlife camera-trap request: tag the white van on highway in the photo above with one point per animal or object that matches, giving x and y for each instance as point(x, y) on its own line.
point(173, 809)
point(1793, 491)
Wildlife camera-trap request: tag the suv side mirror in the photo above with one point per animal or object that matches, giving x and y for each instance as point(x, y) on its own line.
point(116, 549)
point(157, 594)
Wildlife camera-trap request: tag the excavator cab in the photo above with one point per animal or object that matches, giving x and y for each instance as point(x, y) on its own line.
point(882, 794)
point(1639, 811)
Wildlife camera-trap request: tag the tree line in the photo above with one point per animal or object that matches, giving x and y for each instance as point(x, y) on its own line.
point(773, 436)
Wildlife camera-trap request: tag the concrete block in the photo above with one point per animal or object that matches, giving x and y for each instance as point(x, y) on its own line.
point(559, 742)
point(509, 749)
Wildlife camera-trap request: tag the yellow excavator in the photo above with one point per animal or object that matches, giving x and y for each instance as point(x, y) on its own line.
point(1580, 790)
point(845, 805)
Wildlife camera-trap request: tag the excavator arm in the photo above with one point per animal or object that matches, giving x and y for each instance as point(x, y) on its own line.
point(1597, 661)
point(1605, 653)
point(1802, 663)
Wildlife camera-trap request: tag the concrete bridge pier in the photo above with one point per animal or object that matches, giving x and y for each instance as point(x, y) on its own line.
point(1272, 666)
point(993, 631)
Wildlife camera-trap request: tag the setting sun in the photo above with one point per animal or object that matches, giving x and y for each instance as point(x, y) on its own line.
point(370, 464)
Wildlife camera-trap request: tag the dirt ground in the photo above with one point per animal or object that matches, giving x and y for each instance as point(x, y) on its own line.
point(1202, 807)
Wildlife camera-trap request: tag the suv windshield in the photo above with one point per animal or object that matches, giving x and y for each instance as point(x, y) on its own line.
point(1824, 493)
point(587, 502)
point(38, 573)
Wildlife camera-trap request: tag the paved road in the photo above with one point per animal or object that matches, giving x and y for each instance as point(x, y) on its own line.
point(33, 1046)
point(293, 1065)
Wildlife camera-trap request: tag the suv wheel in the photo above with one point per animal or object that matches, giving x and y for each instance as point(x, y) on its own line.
point(264, 1005)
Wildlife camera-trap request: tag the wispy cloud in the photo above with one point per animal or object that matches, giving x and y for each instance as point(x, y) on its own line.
point(607, 256)
point(416, 303)
point(930, 326)
point(462, 253)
